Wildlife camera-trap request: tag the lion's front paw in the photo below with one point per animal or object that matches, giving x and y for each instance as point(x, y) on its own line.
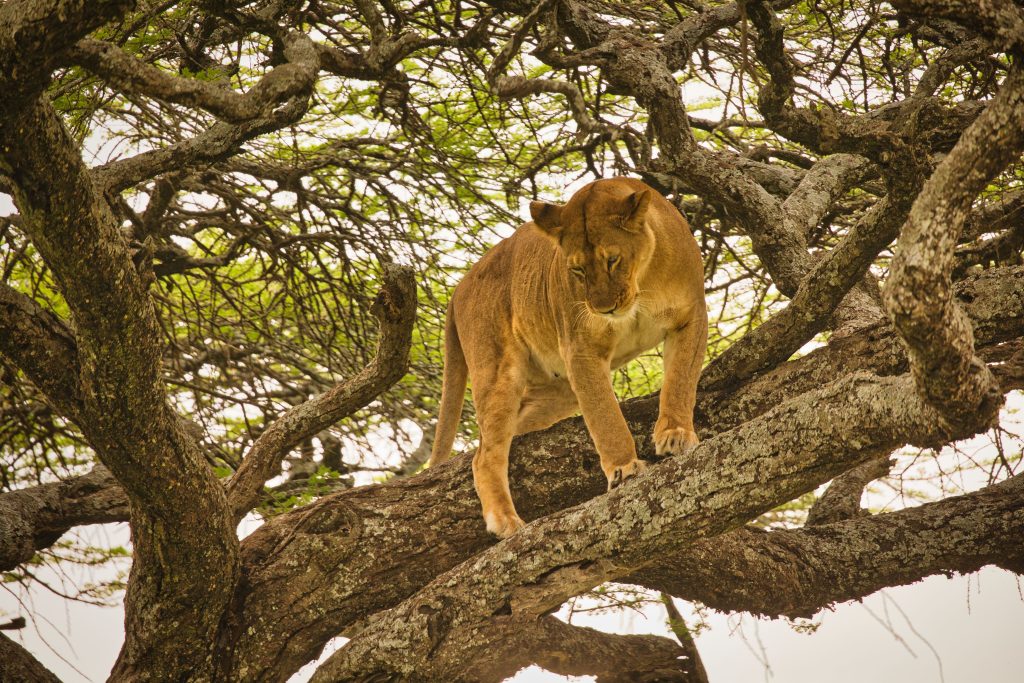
point(617, 475)
point(677, 440)
point(503, 525)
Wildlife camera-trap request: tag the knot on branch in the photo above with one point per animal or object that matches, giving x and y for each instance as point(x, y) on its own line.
point(392, 302)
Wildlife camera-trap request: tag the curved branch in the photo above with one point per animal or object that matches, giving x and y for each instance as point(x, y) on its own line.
point(918, 294)
point(131, 75)
point(216, 143)
point(395, 308)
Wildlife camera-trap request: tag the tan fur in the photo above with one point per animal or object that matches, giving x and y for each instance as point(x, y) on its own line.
point(539, 341)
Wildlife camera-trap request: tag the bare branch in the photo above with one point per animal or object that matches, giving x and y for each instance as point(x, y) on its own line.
point(216, 143)
point(395, 308)
point(34, 518)
point(293, 79)
point(694, 665)
point(33, 36)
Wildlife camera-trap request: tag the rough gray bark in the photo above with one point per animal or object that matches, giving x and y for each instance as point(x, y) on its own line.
point(34, 518)
point(798, 572)
point(918, 293)
point(17, 664)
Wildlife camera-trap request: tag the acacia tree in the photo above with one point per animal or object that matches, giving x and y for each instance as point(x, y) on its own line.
point(200, 288)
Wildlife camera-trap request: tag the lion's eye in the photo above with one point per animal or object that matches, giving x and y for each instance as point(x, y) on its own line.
point(611, 262)
point(578, 272)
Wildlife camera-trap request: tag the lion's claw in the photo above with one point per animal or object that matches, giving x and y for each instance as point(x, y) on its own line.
point(620, 474)
point(675, 440)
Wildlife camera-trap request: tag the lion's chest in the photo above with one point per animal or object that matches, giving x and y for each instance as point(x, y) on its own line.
point(625, 341)
point(633, 338)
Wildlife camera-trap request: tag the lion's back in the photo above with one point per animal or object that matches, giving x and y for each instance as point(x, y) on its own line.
point(509, 282)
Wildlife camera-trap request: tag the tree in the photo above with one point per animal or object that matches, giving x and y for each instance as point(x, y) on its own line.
point(201, 286)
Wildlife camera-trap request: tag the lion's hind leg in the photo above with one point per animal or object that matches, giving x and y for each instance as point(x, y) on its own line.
point(544, 405)
point(497, 398)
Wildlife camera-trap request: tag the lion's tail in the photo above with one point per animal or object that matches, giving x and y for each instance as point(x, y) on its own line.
point(453, 392)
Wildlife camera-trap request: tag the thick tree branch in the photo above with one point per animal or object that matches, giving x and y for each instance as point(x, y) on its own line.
point(395, 308)
point(43, 347)
point(797, 572)
point(17, 664)
point(294, 78)
point(34, 518)
point(824, 183)
point(513, 643)
point(127, 418)
point(918, 293)
point(682, 39)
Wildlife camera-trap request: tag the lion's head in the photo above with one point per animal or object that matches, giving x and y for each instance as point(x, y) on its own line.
point(607, 245)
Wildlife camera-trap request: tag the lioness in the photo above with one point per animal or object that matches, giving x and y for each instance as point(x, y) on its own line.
point(544, 317)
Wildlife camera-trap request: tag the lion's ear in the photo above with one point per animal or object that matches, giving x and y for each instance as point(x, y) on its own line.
point(635, 210)
point(548, 217)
